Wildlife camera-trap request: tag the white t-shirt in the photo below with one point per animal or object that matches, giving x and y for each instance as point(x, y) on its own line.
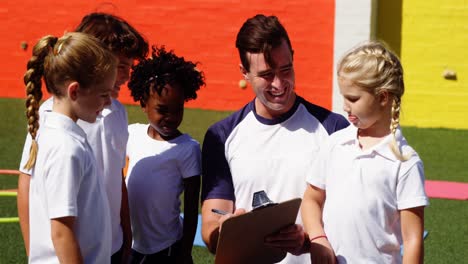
point(155, 181)
point(246, 153)
point(365, 190)
point(108, 138)
point(65, 182)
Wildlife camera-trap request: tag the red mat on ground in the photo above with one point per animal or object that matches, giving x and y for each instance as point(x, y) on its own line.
point(447, 190)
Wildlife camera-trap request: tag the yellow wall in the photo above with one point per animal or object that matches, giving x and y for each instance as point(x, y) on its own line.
point(430, 36)
point(434, 37)
point(388, 26)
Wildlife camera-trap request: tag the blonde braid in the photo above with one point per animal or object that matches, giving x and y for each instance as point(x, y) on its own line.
point(32, 80)
point(393, 128)
point(33, 124)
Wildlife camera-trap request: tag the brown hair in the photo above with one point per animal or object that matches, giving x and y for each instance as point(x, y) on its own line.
point(73, 57)
point(115, 33)
point(374, 67)
point(260, 34)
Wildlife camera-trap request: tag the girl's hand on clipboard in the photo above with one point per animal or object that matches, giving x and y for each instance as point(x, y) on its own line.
point(290, 239)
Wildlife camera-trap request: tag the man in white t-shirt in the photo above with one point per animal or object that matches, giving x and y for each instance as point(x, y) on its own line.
point(107, 136)
point(267, 145)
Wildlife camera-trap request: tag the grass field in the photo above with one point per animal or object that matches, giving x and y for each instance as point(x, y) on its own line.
point(444, 152)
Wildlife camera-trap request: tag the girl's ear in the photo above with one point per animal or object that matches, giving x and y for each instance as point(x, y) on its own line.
point(384, 98)
point(72, 90)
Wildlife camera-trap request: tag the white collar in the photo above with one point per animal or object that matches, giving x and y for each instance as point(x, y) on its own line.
point(114, 106)
point(56, 120)
point(350, 136)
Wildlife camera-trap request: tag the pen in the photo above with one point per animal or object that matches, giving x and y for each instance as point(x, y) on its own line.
point(217, 211)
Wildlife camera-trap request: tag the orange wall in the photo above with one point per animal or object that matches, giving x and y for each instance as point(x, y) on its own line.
point(200, 30)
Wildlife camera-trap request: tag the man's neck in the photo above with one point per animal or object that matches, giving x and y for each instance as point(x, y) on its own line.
point(269, 113)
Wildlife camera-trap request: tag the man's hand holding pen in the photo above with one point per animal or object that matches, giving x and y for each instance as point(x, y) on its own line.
point(226, 215)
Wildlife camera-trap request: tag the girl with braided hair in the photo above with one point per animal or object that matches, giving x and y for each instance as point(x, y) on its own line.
point(365, 196)
point(107, 136)
point(163, 162)
point(67, 197)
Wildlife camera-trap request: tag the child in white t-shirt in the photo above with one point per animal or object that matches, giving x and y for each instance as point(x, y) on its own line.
point(107, 135)
point(68, 203)
point(163, 162)
point(366, 190)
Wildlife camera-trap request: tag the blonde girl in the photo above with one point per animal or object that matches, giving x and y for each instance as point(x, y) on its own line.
point(69, 208)
point(365, 194)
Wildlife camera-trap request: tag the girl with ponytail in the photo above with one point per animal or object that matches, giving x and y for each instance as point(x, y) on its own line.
point(68, 202)
point(107, 136)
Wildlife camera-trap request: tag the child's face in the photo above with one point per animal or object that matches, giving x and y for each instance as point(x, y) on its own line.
point(123, 73)
point(364, 109)
point(91, 101)
point(165, 112)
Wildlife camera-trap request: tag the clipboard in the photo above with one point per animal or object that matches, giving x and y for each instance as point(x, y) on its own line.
point(241, 239)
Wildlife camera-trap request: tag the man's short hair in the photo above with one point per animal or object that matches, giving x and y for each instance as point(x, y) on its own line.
point(261, 34)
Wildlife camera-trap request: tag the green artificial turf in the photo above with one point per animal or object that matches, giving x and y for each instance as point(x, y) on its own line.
point(443, 151)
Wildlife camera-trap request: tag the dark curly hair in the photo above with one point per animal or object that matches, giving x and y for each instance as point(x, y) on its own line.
point(164, 67)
